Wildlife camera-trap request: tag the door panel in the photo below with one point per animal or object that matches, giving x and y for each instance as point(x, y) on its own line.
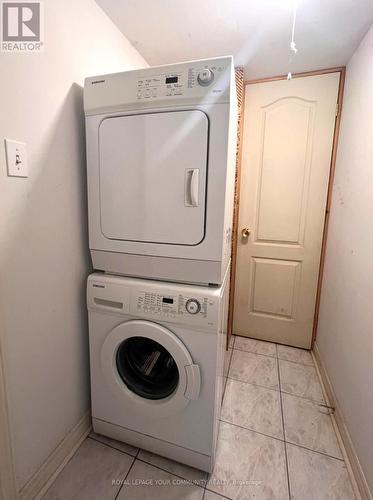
point(279, 298)
point(287, 145)
point(284, 172)
point(153, 177)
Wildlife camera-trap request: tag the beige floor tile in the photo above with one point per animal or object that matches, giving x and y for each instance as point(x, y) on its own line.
point(254, 368)
point(309, 424)
point(300, 380)
point(126, 448)
point(249, 466)
point(210, 495)
point(231, 341)
point(255, 346)
point(294, 354)
point(317, 477)
point(145, 482)
point(254, 407)
point(227, 360)
point(90, 474)
point(174, 467)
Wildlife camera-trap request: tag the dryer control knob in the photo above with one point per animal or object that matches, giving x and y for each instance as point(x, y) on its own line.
point(193, 306)
point(205, 77)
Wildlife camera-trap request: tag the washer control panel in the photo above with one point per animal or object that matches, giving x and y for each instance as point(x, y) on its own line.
point(176, 306)
point(188, 305)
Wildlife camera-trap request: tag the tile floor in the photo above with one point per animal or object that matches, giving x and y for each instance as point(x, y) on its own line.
point(276, 442)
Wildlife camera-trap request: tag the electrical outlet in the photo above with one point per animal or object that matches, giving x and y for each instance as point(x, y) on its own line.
point(16, 158)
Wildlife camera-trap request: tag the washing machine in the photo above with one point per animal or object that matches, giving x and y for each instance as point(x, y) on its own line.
point(156, 357)
point(161, 148)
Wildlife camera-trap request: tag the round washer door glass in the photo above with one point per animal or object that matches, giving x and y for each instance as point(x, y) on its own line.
point(147, 368)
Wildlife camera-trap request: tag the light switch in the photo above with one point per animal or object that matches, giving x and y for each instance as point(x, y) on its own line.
point(16, 158)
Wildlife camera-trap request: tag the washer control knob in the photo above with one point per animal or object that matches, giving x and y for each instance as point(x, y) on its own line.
point(205, 77)
point(193, 306)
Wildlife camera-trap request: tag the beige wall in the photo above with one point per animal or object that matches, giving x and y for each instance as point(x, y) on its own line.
point(43, 227)
point(345, 333)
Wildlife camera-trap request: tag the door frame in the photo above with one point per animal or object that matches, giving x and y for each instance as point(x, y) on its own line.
point(8, 488)
point(342, 73)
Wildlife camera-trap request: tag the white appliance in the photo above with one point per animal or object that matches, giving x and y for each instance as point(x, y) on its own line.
point(161, 145)
point(156, 352)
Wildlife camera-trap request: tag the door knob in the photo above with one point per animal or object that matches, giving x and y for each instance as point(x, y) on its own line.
point(245, 233)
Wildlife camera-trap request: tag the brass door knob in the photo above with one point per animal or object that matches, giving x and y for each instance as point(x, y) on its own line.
point(245, 233)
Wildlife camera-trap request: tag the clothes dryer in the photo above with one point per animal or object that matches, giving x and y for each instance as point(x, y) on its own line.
point(161, 146)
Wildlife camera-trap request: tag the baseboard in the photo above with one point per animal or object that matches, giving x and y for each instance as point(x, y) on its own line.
point(8, 488)
point(36, 487)
point(360, 484)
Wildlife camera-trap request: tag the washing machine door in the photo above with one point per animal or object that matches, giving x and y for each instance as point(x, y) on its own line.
point(147, 366)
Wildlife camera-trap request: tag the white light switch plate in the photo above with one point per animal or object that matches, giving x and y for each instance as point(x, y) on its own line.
point(16, 158)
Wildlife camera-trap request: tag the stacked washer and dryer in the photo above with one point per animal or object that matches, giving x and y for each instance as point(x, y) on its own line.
point(161, 146)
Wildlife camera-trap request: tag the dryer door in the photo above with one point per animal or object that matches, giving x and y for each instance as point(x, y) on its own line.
point(146, 365)
point(153, 177)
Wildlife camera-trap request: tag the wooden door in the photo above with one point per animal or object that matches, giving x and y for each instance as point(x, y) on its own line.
point(287, 147)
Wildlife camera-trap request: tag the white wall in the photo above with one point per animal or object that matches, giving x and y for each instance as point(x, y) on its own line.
point(345, 333)
point(43, 227)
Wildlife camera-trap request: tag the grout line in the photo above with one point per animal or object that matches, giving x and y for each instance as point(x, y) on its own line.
point(217, 493)
point(282, 440)
point(257, 340)
point(252, 430)
point(114, 448)
point(296, 362)
point(315, 401)
point(275, 355)
point(121, 486)
point(253, 383)
point(253, 352)
point(136, 457)
point(283, 427)
point(315, 451)
point(193, 482)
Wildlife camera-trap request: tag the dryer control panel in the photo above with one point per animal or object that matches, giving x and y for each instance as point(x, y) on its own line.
point(208, 81)
point(181, 81)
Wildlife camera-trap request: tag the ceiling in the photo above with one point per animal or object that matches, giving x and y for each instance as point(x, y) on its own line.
point(256, 32)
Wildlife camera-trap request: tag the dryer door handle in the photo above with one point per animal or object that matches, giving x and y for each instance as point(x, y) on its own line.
point(192, 187)
point(193, 386)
